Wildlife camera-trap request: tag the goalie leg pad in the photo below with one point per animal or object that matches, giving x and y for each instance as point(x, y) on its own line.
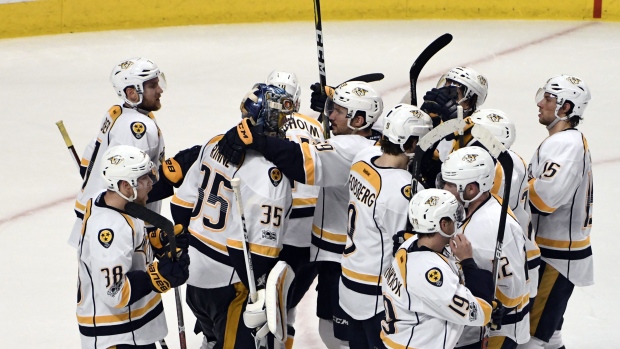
point(278, 283)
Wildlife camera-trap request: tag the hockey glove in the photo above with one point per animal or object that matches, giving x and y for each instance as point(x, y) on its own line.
point(441, 102)
point(167, 274)
point(497, 314)
point(239, 138)
point(175, 168)
point(399, 238)
point(317, 99)
point(161, 245)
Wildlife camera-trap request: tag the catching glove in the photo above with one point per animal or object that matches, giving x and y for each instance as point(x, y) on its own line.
point(441, 102)
point(399, 238)
point(161, 244)
point(317, 99)
point(175, 168)
point(497, 314)
point(167, 274)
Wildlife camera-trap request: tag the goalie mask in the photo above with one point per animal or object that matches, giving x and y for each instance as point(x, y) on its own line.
point(268, 106)
point(360, 99)
point(405, 121)
point(468, 165)
point(566, 89)
point(126, 163)
point(498, 123)
point(133, 73)
point(288, 82)
point(471, 84)
point(429, 206)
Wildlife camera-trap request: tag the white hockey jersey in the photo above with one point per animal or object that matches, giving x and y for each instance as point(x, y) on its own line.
point(120, 126)
point(327, 165)
point(378, 201)
point(215, 222)
point(520, 206)
point(113, 244)
point(302, 129)
point(561, 191)
point(512, 289)
point(426, 303)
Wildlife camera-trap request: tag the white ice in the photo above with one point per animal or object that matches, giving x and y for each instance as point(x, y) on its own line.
point(209, 68)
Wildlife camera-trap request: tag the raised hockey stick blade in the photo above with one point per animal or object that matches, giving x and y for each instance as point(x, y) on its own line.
point(421, 61)
point(372, 77)
point(68, 143)
point(161, 222)
point(249, 268)
point(498, 151)
point(318, 26)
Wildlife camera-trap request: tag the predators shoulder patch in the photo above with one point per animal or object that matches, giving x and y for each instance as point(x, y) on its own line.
point(105, 237)
point(138, 129)
point(406, 191)
point(434, 277)
point(275, 175)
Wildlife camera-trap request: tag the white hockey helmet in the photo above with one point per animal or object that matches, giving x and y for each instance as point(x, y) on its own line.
point(404, 121)
point(360, 99)
point(468, 165)
point(566, 88)
point(288, 82)
point(126, 163)
point(429, 206)
point(474, 83)
point(498, 123)
point(133, 73)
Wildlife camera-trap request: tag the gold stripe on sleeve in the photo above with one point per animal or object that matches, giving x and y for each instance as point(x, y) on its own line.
point(536, 199)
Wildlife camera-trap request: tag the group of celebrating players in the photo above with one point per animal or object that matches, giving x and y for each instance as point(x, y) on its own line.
point(402, 259)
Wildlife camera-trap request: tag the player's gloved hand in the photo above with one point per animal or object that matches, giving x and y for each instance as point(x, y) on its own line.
point(399, 238)
point(175, 168)
point(255, 315)
point(497, 314)
point(161, 244)
point(167, 274)
point(239, 138)
point(441, 102)
point(317, 99)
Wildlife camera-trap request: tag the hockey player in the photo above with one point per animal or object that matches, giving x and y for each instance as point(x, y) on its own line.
point(217, 290)
point(295, 252)
point(379, 193)
point(140, 84)
point(352, 109)
point(560, 184)
point(119, 283)
point(468, 174)
point(502, 127)
point(429, 296)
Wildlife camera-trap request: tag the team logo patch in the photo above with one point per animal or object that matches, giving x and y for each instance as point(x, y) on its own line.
point(416, 114)
point(573, 80)
point(482, 80)
point(269, 235)
point(432, 201)
point(126, 64)
point(138, 129)
point(275, 175)
point(473, 311)
point(105, 237)
point(115, 288)
point(434, 277)
point(360, 91)
point(494, 117)
point(470, 158)
point(406, 191)
point(115, 160)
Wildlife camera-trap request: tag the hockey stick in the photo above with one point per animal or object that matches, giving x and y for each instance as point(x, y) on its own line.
point(249, 268)
point(372, 77)
point(161, 222)
point(499, 152)
point(65, 136)
point(421, 61)
point(321, 58)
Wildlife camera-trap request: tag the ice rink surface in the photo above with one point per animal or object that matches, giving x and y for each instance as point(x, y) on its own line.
point(209, 69)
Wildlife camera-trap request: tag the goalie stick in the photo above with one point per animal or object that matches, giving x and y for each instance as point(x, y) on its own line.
point(164, 224)
point(499, 152)
point(421, 61)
